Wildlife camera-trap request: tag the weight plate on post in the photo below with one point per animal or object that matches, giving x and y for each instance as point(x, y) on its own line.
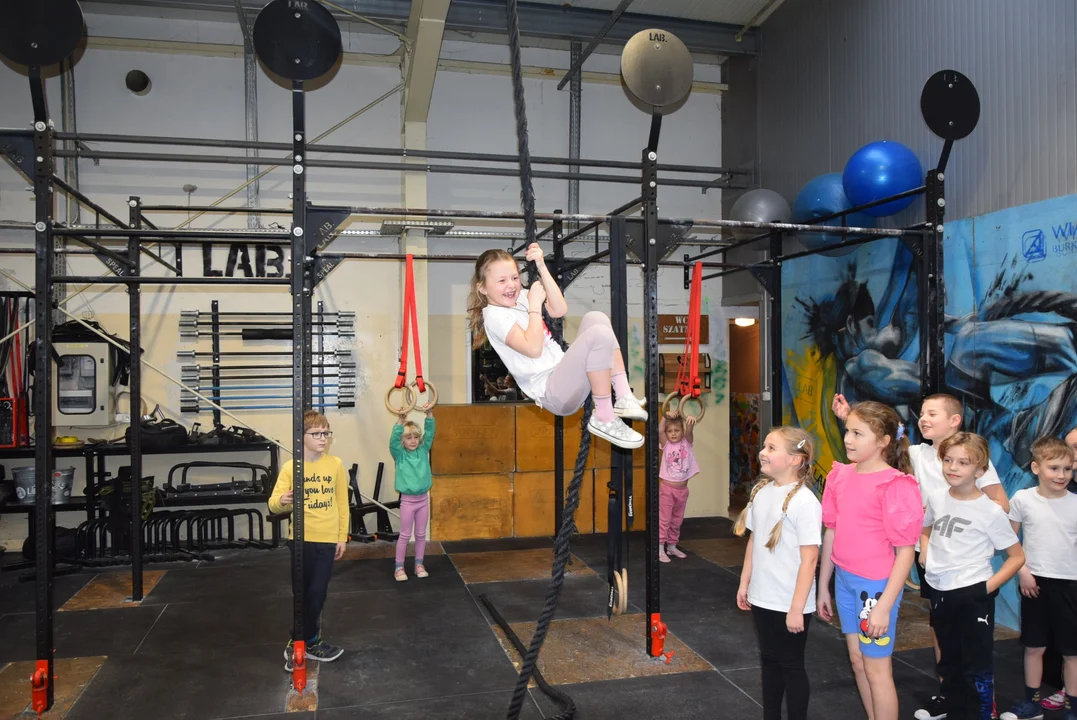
point(656, 68)
point(40, 32)
point(297, 39)
point(950, 105)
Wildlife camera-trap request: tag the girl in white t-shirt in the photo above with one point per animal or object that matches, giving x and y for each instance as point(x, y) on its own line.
point(778, 580)
point(500, 311)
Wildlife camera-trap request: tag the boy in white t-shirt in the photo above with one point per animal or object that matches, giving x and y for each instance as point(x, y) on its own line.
point(1047, 515)
point(941, 416)
point(962, 531)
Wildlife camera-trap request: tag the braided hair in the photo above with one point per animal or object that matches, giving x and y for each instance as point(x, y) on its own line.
point(797, 442)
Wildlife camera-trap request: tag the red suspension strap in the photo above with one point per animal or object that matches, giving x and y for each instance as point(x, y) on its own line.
point(411, 323)
point(688, 386)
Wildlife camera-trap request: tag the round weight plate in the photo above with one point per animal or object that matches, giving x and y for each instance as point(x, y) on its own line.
point(40, 32)
point(950, 105)
point(657, 69)
point(297, 39)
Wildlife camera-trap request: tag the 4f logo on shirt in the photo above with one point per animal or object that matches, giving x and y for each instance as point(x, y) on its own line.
point(947, 525)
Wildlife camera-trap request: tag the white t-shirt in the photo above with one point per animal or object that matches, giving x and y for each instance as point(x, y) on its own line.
point(1050, 531)
point(964, 537)
point(927, 468)
point(530, 373)
point(774, 574)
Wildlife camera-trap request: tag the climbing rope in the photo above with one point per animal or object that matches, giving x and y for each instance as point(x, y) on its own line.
point(572, 500)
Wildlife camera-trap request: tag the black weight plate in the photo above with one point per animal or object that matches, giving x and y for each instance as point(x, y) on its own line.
point(297, 39)
point(39, 32)
point(657, 69)
point(950, 105)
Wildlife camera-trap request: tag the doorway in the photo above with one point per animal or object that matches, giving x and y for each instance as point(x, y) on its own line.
point(744, 396)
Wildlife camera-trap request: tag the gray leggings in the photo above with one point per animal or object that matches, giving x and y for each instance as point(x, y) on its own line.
point(568, 386)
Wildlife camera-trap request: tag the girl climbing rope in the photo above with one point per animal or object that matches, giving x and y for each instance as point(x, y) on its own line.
point(559, 381)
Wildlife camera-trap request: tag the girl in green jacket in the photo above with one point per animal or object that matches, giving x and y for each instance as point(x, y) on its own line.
point(410, 448)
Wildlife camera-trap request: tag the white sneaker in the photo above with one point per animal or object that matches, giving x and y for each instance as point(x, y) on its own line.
point(674, 551)
point(662, 557)
point(630, 408)
point(616, 432)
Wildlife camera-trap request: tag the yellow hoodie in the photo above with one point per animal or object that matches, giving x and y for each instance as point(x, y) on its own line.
point(326, 516)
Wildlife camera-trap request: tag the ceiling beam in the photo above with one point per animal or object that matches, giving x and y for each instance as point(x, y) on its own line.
point(536, 21)
point(426, 28)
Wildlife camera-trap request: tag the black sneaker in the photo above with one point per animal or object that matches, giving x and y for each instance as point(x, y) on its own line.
point(322, 651)
point(933, 709)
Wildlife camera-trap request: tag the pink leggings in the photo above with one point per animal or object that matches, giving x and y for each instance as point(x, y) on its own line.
point(414, 512)
point(568, 386)
point(671, 504)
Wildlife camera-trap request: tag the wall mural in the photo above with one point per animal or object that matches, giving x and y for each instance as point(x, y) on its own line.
point(1011, 349)
point(744, 442)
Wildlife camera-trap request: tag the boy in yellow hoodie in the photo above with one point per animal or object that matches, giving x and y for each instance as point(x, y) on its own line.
point(325, 528)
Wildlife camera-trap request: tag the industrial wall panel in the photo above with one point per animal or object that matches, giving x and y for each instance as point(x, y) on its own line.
point(836, 74)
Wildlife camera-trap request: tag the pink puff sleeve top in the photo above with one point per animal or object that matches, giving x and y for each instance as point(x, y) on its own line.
point(871, 514)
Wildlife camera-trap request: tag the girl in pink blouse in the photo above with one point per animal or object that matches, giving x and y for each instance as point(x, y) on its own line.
point(678, 467)
point(873, 515)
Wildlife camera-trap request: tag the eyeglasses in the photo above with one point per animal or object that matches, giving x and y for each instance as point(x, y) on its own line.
point(320, 434)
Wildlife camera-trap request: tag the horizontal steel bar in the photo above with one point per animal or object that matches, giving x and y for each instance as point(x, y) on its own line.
point(153, 235)
point(95, 280)
point(365, 165)
point(239, 144)
point(223, 388)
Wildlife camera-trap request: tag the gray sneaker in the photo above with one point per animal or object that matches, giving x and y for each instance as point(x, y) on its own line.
point(322, 651)
point(616, 432)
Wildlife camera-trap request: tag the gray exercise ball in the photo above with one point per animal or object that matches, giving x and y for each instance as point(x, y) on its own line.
point(760, 205)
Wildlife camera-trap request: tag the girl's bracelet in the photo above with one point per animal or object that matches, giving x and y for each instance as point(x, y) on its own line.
point(534, 312)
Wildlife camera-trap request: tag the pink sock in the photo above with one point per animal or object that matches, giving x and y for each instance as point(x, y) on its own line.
point(603, 408)
point(620, 385)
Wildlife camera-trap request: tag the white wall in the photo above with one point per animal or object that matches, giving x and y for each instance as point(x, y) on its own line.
point(198, 91)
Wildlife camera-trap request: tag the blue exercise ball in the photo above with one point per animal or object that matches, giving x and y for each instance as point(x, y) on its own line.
point(823, 196)
point(879, 170)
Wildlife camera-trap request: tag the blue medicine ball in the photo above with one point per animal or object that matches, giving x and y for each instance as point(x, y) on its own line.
point(879, 170)
point(822, 196)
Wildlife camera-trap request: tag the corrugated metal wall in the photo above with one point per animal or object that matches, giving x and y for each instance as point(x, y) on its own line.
point(837, 74)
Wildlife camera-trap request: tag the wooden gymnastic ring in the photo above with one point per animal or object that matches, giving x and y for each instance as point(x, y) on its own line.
point(624, 596)
point(688, 398)
point(619, 594)
point(407, 394)
point(667, 402)
point(433, 391)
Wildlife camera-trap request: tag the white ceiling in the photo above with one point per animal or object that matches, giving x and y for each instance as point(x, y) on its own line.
point(734, 12)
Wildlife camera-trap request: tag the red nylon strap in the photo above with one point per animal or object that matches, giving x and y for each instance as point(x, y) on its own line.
point(411, 322)
point(688, 374)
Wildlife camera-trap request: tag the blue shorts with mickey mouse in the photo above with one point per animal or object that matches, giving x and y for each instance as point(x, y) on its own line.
point(854, 597)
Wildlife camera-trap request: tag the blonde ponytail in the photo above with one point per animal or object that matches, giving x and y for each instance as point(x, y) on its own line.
point(741, 526)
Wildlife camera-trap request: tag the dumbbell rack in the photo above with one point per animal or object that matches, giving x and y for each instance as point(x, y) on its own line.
point(330, 365)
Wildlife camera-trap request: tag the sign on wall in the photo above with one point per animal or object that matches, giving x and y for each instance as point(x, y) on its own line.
point(672, 329)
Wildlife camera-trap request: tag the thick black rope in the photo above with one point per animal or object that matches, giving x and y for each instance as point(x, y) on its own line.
point(557, 576)
point(572, 500)
point(564, 700)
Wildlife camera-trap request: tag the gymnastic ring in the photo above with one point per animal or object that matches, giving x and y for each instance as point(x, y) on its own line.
point(687, 399)
point(400, 410)
point(624, 596)
point(667, 402)
point(619, 595)
point(433, 391)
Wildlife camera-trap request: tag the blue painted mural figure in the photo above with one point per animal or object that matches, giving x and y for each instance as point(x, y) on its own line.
point(997, 357)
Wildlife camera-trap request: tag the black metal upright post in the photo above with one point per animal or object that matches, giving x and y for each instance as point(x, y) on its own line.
point(134, 292)
point(321, 357)
point(620, 488)
point(44, 147)
point(775, 326)
point(931, 283)
point(558, 331)
point(650, 331)
point(215, 327)
point(301, 289)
